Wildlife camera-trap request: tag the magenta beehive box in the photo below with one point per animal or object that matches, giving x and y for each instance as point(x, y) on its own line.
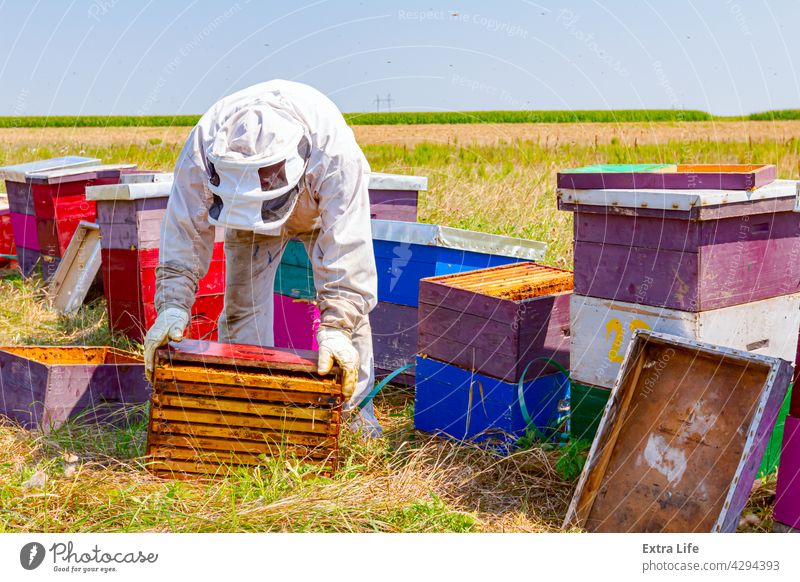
point(787, 496)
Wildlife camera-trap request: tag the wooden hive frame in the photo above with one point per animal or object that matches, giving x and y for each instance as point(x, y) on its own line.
point(681, 438)
point(216, 404)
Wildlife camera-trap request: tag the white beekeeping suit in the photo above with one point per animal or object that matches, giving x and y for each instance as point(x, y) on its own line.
point(273, 162)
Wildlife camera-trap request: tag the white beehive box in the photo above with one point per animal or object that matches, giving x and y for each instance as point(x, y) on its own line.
point(601, 330)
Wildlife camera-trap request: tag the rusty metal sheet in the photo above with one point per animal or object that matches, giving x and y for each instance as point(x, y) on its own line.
point(681, 438)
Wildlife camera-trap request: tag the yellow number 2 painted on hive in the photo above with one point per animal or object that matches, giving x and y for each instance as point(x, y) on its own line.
point(614, 327)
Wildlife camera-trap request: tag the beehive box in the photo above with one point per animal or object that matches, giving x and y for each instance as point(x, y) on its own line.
point(130, 215)
point(394, 339)
point(7, 246)
point(601, 331)
point(690, 250)
point(681, 438)
point(21, 204)
point(295, 323)
point(216, 404)
point(44, 386)
point(395, 196)
point(787, 495)
point(466, 405)
point(669, 176)
point(497, 321)
point(59, 199)
point(406, 252)
point(586, 405)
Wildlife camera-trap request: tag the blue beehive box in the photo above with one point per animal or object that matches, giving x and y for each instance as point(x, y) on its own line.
point(465, 405)
point(406, 252)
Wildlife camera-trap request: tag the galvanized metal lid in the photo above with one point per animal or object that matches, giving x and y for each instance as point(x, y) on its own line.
point(459, 239)
point(19, 172)
point(159, 187)
point(79, 173)
point(676, 199)
point(381, 181)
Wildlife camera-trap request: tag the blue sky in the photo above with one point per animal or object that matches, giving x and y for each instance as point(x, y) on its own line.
point(162, 57)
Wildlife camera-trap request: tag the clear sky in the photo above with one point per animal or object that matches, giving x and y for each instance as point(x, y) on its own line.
point(162, 57)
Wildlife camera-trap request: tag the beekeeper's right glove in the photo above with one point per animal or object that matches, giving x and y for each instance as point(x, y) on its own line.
point(168, 326)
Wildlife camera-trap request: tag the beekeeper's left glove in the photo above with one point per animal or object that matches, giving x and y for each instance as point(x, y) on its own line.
point(335, 346)
point(168, 326)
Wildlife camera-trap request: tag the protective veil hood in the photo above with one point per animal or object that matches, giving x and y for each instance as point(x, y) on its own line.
point(256, 160)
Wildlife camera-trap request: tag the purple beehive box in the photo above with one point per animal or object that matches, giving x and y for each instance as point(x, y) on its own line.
point(395, 196)
point(394, 339)
point(787, 495)
point(295, 323)
point(691, 250)
point(44, 386)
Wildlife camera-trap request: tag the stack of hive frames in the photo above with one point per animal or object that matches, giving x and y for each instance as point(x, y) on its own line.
point(226, 404)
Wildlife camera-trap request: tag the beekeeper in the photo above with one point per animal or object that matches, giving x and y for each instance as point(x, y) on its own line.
point(273, 162)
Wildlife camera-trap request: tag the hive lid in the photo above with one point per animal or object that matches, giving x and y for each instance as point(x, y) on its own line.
point(677, 200)
point(19, 172)
point(241, 355)
point(79, 173)
point(669, 177)
point(458, 239)
point(381, 181)
point(681, 438)
point(131, 190)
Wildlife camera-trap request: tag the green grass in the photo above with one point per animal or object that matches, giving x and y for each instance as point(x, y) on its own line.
point(418, 117)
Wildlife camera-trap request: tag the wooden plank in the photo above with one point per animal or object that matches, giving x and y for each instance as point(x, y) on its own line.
point(681, 439)
point(227, 450)
point(240, 355)
point(245, 377)
point(225, 405)
point(231, 419)
point(242, 433)
point(291, 396)
point(77, 270)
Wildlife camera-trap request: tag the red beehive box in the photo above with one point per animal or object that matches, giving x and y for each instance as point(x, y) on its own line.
point(20, 201)
point(130, 215)
point(59, 200)
point(7, 248)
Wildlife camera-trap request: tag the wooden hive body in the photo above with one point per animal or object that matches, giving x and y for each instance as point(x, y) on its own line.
point(692, 251)
point(681, 438)
point(395, 196)
point(44, 386)
point(394, 339)
point(497, 321)
point(216, 404)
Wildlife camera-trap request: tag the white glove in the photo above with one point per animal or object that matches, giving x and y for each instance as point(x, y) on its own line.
point(168, 326)
point(335, 345)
